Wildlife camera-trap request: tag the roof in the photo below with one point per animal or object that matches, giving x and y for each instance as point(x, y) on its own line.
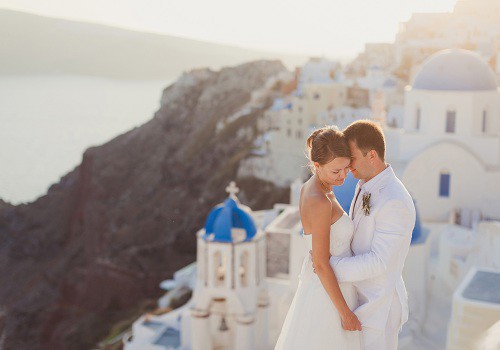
point(455, 70)
point(481, 285)
point(484, 287)
point(226, 217)
point(169, 338)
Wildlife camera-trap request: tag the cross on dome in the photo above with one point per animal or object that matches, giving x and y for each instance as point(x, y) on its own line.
point(232, 189)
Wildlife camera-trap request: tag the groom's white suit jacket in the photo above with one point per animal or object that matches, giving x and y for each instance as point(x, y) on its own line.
point(380, 244)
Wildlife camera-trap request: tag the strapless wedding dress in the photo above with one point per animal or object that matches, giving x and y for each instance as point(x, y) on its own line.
point(312, 322)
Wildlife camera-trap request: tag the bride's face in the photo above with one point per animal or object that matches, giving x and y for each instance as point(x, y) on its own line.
point(335, 171)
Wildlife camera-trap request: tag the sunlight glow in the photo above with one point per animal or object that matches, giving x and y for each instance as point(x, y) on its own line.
point(320, 27)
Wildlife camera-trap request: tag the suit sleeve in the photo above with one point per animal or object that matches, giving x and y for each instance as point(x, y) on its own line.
point(393, 226)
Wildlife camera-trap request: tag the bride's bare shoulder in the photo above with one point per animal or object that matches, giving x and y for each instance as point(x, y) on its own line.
point(311, 198)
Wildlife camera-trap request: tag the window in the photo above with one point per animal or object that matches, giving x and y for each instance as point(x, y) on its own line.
point(450, 121)
point(298, 134)
point(289, 132)
point(417, 119)
point(484, 124)
point(316, 96)
point(444, 184)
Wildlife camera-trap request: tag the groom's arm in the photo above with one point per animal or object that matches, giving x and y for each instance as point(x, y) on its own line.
point(393, 226)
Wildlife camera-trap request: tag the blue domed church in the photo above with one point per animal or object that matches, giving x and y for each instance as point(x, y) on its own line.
point(230, 301)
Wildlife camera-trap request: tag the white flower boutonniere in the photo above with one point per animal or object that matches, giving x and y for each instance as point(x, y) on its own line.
point(366, 203)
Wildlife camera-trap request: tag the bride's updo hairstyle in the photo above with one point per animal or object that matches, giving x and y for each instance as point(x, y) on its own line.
point(326, 144)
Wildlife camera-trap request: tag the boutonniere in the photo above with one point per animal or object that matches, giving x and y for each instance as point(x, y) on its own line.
point(366, 203)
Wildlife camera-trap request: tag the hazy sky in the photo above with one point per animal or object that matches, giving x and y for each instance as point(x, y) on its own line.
point(314, 27)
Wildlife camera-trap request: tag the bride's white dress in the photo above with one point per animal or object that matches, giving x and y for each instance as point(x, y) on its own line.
point(312, 322)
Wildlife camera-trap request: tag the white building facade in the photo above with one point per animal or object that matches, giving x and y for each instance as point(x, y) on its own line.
point(448, 154)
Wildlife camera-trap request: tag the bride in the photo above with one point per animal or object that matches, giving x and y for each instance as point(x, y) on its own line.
point(320, 315)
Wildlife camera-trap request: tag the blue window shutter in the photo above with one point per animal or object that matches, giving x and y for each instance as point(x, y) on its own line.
point(444, 185)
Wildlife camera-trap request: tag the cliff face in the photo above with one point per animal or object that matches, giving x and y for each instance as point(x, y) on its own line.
point(125, 219)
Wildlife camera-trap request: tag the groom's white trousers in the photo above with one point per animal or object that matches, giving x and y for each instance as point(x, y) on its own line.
point(387, 339)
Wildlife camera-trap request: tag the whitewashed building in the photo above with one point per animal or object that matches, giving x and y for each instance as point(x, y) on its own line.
point(245, 279)
point(448, 153)
point(321, 97)
point(475, 322)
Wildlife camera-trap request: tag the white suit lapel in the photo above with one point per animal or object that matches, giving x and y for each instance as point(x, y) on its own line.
point(359, 214)
point(351, 208)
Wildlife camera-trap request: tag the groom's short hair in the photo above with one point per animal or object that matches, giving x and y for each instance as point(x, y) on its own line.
point(367, 135)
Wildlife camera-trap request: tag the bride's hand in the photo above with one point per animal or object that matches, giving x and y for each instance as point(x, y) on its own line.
point(350, 321)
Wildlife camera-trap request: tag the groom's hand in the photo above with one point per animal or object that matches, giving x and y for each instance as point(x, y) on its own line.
point(311, 253)
point(350, 322)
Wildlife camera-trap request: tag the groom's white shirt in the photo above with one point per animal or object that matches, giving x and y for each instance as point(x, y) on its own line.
point(380, 244)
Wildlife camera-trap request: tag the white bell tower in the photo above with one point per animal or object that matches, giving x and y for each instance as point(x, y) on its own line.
point(230, 302)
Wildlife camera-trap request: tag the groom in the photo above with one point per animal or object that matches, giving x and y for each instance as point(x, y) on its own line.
point(383, 214)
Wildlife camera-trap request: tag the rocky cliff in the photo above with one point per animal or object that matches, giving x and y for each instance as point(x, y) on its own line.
point(102, 238)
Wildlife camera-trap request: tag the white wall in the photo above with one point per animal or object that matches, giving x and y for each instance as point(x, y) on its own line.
point(467, 181)
point(434, 104)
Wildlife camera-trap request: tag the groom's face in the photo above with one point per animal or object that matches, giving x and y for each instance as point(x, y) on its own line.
point(360, 164)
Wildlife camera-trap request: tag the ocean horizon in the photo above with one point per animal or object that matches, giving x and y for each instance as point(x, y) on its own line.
point(48, 121)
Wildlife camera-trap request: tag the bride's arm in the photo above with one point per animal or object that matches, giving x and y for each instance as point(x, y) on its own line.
point(318, 213)
point(393, 227)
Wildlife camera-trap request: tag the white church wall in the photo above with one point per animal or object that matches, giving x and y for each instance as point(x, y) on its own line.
point(433, 108)
point(201, 268)
point(467, 180)
point(404, 146)
point(490, 203)
point(468, 106)
point(488, 102)
point(435, 103)
point(186, 329)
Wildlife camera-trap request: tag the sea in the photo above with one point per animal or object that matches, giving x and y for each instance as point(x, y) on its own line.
point(48, 121)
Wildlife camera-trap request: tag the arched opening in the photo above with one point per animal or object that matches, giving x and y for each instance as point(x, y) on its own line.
point(243, 269)
point(220, 269)
point(451, 117)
